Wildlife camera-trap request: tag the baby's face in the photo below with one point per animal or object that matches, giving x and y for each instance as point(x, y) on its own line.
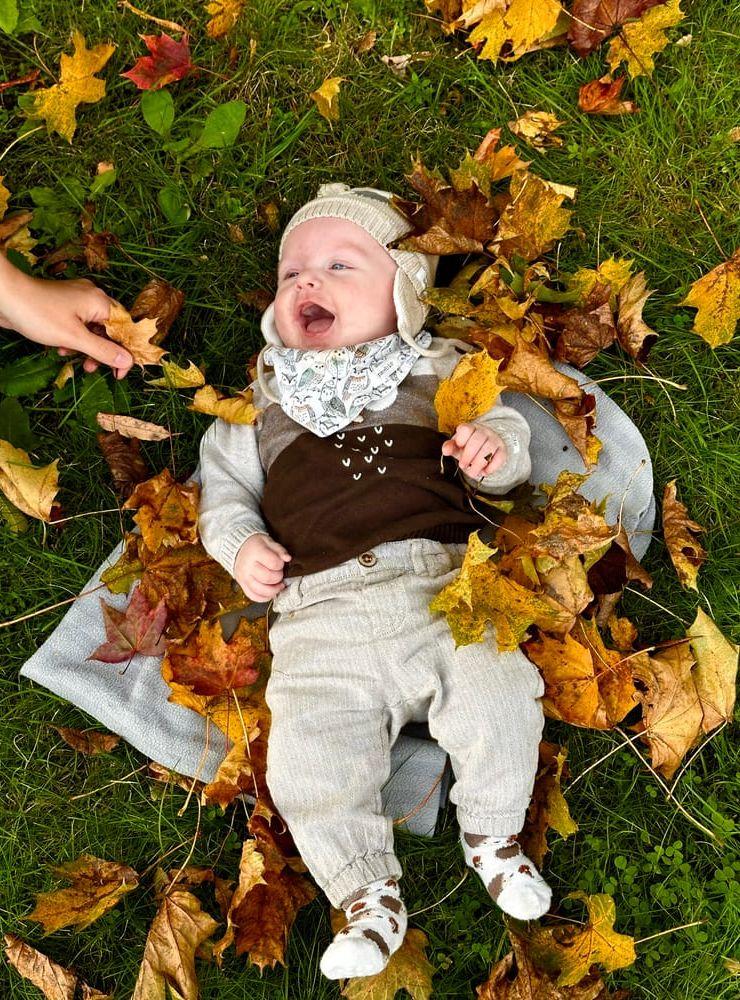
point(335, 286)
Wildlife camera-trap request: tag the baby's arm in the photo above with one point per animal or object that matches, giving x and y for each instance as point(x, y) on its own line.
point(493, 450)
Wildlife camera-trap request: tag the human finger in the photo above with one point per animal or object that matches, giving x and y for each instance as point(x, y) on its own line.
point(89, 365)
point(278, 548)
point(98, 348)
point(261, 592)
point(269, 558)
point(462, 434)
point(496, 461)
point(472, 449)
point(268, 576)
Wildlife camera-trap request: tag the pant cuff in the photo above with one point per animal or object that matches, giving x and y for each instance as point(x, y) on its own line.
point(359, 872)
point(493, 825)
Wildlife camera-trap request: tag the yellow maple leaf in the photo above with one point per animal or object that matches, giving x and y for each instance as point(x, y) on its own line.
point(471, 390)
point(533, 218)
point(238, 409)
point(4, 197)
point(32, 489)
point(407, 969)
point(327, 97)
point(224, 15)
point(615, 272)
point(77, 85)
point(638, 41)
point(493, 31)
point(135, 337)
point(536, 128)
point(529, 21)
point(97, 885)
point(716, 296)
point(176, 377)
point(715, 672)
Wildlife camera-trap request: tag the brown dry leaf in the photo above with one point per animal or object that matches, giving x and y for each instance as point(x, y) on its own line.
point(594, 20)
point(132, 428)
point(533, 219)
point(614, 272)
point(578, 419)
point(78, 84)
point(716, 296)
point(679, 532)
point(176, 377)
point(179, 928)
point(601, 97)
point(516, 977)
point(715, 673)
point(89, 742)
point(54, 981)
point(573, 949)
point(623, 633)
point(671, 710)
point(407, 969)
point(365, 43)
point(234, 776)
point(536, 128)
point(224, 15)
point(125, 461)
point(207, 664)
point(269, 214)
point(97, 886)
point(634, 335)
point(567, 583)
point(30, 488)
point(161, 301)
point(167, 511)
point(326, 97)
point(238, 409)
point(471, 390)
point(137, 338)
point(547, 809)
point(639, 41)
point(616, 567)
point(499, 163)
point(572, 526)
point(530, 370)
point(585, 330)
point(4, 197)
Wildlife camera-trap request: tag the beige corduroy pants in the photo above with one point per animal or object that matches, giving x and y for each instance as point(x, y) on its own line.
point(356, 655)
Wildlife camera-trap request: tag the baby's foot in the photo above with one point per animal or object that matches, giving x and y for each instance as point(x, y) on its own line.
point(511, 878)
point(376, 924)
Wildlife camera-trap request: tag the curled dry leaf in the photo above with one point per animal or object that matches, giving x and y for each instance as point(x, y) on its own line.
point(578, 419)
point(137, 338)
point(585, 330)
point(601, 97)
point(326, 97)
point(89, 742)
point(54, 981)
point(167, 511)
point(97, 885)
point(634, 335)
point(176, 377)
point(536, 128)
point(30, 488)
point(132, 428)
point(238, 409)
point(547, 809)
point(471, 390)
point(125, 461)
point(679, 532)
point(137, 629)
point(161, 301)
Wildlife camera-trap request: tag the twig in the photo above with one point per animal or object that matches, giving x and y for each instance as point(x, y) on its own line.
point(196, 778)
point(59, 604)
point(657, 605)
point(184, 865)
point(87, 513)
point(670, 930)
point(453, 889)
point(596, 763)
point(162, 857)
point(696, 202)
point(117, 781)
point(415, 810)
point(246, 741)
point(19, 139)
point(617, 378)
point(664, 786)
point(162, 22)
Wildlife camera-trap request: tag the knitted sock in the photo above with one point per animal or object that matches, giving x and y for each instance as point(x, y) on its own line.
point(375, 929)
point(511, 878)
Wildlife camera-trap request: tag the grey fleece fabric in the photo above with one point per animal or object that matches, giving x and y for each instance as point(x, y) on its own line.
point(134, 704)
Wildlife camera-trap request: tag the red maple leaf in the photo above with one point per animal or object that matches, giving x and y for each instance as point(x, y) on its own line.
point(169, 60)
point(137, 629)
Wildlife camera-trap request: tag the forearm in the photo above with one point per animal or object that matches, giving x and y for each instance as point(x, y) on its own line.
point(12, 282)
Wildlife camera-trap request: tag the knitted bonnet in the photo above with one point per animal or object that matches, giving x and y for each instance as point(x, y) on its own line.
point(371, 209)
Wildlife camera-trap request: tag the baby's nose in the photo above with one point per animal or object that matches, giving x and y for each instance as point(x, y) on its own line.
point(307, 279)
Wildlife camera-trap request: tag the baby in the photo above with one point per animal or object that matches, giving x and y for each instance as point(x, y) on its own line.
point(338, 506)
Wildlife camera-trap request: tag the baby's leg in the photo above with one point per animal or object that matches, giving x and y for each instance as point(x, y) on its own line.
point(328, 758)
point(487, 715)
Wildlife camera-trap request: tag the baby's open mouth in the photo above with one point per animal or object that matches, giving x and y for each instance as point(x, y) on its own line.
point(314, 318)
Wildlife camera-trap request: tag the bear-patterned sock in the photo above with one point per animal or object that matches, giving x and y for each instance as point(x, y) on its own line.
point(512, 880)
point(376, 925)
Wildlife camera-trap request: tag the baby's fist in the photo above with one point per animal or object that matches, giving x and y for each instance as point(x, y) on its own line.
point(478, 450)
point(259, 567)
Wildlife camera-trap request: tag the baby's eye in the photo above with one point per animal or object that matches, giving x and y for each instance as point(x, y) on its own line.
point(289, 274)
point(337, 264)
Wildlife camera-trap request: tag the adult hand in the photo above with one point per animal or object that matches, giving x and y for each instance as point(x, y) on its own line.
point(54, 313)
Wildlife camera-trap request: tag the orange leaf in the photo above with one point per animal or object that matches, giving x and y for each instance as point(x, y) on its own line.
point(679, 532)
point(207, 664)
point(167, 511)
point(97, 886)
point(54, 981)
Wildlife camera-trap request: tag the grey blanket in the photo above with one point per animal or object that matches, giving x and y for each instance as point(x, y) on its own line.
point(134, 702)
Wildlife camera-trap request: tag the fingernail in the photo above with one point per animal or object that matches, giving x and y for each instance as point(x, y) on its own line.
point(120, 360)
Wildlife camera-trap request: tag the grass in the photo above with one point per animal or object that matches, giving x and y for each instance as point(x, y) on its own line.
point(641, 180)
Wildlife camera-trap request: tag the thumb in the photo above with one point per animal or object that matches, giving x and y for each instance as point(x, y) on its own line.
point(280, 549)
point(100, 349)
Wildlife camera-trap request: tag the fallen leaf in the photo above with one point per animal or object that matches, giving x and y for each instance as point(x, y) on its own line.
point(127, 569)
point(125, 461)
point(585, 330)
point(601, 97)
point(671, 710)
point(326, 97)
point(130, 427)
point(224, 15)
point(207, 664)
point(716, 297)
point(639, 41)
point(137, 338)
point(176, 377)
point(365, 43)
point(634, 335)
point(269, 213)
point(408, 969)
point(528, 369)
point(89, 742)
point(54, 981)
point(533, 219)
point(715, 673)
point(97, 885)
point(578, 418)
point(161, 301)
point(536, 128)
point(547, 808)
point(167, 511)
point(594, 20)
point(399, 65)
point(168, 61)
point(78, 84)
point(30, 488)
point(572, 526)
point(137, 629)
point(471, 390)
point(4, 197)
point(178, 930)
point(238, 409)
point(679, 532)
point(161, 21)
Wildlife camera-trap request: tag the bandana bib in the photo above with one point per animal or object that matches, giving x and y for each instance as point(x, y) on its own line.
point(325, 390)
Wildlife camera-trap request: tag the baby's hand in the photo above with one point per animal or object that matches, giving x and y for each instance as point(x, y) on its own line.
point(478, 450)
point(259, 567)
